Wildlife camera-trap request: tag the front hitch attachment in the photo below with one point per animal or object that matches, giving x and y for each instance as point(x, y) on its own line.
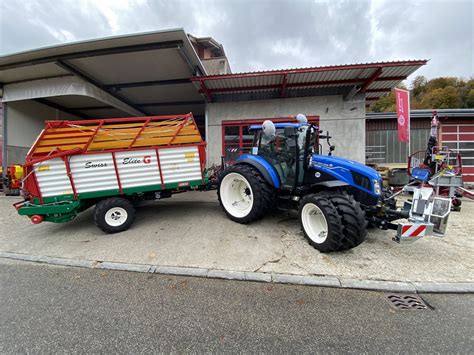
point(411, 232)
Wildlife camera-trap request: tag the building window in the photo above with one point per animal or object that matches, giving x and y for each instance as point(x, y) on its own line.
point(237, 138)
point(222, 67)
point(383, 147)
point(232, 142)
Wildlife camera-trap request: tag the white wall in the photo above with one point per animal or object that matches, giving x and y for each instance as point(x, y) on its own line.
point(25, 120)
point(345, 120)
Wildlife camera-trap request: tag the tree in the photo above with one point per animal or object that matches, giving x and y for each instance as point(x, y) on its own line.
point(418, 86)
point(437, 93)
point(441, 83)
point(442, 98)
point(385, 104)
point(470, 98)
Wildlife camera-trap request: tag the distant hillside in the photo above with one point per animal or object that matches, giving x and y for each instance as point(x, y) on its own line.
point(443, 92)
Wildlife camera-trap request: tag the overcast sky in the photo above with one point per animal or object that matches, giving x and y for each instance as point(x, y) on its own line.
point(261, 34)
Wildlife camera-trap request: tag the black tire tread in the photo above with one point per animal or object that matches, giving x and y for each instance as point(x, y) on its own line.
point(353, 218)
point(104, 205)
point(335, 238)
point(263, 193)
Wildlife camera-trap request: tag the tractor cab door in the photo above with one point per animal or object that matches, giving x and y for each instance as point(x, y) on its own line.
point(280, 150)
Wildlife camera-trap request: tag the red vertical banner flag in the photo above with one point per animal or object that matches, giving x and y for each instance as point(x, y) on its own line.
point(403, 114)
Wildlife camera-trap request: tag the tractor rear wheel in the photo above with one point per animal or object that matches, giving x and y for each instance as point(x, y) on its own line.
point(114, 215)
point(322, 224)
point(244, 194)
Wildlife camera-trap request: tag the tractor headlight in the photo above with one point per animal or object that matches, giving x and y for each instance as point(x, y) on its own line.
point(377, 189)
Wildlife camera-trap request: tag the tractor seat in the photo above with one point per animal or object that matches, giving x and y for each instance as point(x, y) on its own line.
point(420, 174)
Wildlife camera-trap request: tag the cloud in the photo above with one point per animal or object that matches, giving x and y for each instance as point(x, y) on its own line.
point(265, 34)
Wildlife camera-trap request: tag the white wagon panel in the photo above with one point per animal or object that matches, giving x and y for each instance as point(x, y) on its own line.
point(52, 178)
point(180, 164)
point(93, 172)
point(138, 168)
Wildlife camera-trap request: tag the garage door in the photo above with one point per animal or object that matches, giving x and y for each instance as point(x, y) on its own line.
point(460, 138)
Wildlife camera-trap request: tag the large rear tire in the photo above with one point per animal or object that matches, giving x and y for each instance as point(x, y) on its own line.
point(321, 223)
point(114, 215)
point(244, 194)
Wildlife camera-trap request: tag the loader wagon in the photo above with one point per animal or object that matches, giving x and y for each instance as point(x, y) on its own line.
point(110, 163)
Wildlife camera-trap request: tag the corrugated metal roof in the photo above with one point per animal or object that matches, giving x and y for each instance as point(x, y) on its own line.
point(381, 76)
point(395, 63)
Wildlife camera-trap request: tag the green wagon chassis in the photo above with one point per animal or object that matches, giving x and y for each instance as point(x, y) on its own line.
point(64, 208)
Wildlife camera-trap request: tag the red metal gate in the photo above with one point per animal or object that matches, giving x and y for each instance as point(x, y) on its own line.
point(459, 136)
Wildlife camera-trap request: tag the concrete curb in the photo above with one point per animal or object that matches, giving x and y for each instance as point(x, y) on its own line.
point(310, 280)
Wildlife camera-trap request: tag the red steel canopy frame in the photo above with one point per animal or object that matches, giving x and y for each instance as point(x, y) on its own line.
point(349, 75)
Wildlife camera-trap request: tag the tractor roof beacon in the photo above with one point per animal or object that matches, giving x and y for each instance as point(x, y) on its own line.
point(337, 198)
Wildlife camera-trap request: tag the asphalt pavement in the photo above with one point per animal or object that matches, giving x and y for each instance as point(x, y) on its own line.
point(55, 309)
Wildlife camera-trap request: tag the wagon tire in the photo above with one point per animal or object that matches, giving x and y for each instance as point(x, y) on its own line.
point(114, 215)
point(244, 194)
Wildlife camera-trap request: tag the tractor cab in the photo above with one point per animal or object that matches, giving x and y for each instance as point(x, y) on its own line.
point(285, 149)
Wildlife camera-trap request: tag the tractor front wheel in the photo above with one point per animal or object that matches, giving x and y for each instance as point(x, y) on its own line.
point(352, 216)
point(244, 194)
point(322, 224)
point(114, 215)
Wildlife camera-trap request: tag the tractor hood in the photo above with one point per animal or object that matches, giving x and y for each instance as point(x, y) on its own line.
point(351, 172)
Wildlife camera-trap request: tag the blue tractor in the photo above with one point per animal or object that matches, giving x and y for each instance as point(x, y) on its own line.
point(336, 198)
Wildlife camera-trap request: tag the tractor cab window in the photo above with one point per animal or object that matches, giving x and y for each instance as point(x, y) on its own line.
point(280, 150)
point(301, 137)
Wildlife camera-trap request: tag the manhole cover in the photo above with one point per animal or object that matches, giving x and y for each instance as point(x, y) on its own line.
point(402, 301)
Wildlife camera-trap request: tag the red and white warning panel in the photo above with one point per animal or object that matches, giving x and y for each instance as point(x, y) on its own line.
point(412, 232)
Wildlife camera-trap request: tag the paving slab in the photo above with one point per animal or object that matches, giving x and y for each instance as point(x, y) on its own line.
point(191, 231)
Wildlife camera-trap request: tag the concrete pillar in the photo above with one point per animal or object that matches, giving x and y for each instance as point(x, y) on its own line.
point(4, 140)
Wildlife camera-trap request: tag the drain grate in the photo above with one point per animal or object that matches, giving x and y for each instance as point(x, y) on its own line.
point(401, 301)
